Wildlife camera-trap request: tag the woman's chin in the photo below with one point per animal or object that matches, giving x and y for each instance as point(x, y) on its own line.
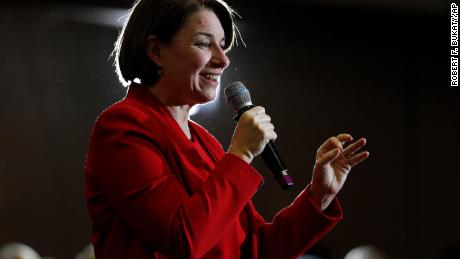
point(207, 97)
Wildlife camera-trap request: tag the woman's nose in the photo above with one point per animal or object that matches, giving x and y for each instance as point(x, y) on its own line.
point(220, 59)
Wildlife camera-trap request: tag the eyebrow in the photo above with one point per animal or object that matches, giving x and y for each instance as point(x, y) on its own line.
point(209, 35)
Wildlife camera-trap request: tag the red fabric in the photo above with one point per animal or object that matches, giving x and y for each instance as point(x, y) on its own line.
point(203, 154)
point(151, 194)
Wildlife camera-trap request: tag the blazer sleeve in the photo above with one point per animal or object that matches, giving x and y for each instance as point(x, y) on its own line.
point(130, 169)
point(295, 228)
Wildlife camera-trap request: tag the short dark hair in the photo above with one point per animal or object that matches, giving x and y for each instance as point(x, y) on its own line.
point(162, 18)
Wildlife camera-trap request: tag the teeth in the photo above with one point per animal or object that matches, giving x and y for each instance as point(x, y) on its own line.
point(209, 76)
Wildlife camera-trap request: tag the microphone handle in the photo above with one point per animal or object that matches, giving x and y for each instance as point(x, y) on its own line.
point(271, 158)
point(273, 161)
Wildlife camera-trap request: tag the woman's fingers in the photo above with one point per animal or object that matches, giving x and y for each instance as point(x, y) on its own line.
point(334, 142)
point(329, 144)
point(257, 110)
point(344, 137)
point(267, 126)
point(352, 148)
point(358, 158)
point(268, 131)
point(257, 114)
point(253, 131)
point(350, 151)
point(262, 118)
point(328, 157)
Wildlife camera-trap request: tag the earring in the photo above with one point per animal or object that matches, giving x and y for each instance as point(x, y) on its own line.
point(160, 71)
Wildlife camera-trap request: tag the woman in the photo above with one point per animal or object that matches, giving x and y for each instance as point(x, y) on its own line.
point(159, 185)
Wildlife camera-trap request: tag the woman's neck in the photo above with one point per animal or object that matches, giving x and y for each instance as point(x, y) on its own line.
point(180, 112)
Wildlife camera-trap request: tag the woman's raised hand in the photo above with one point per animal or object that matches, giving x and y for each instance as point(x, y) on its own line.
point(252, 133)
point(333, 163)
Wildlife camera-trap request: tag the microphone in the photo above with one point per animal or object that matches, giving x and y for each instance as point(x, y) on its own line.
point(238, 97)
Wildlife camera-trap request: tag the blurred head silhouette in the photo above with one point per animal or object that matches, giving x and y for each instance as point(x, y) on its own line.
point(365, 252)
point(18, 251)
point(86, 253)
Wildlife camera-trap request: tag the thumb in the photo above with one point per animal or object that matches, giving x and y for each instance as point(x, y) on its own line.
point(328, 157)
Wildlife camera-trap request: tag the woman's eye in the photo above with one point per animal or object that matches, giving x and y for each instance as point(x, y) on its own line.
point(203, 44)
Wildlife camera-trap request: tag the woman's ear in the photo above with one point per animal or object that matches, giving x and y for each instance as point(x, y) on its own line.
point(152, 47)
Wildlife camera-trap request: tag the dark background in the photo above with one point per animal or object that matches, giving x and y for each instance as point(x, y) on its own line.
point(376, 69)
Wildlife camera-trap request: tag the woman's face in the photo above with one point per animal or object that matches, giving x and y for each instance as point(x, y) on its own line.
point(194, 60)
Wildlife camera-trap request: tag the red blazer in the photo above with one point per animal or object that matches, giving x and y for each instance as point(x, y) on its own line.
point(150, 195)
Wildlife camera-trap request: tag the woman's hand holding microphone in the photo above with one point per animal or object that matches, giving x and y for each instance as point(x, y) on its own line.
point(252, 133)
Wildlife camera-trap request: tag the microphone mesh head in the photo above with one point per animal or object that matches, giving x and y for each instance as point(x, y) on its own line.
point(237, 95)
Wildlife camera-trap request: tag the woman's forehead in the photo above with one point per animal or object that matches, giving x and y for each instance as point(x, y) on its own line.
point(203, 23)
